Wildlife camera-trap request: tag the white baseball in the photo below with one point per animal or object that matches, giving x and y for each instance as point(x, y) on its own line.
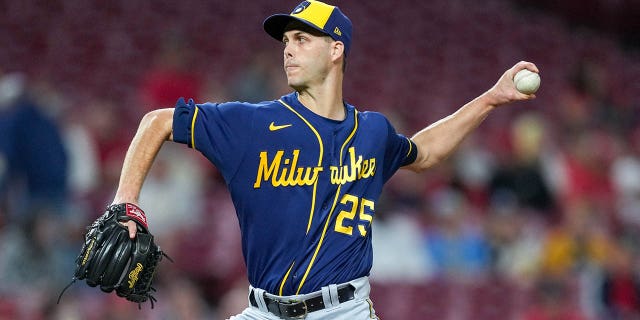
point(526, 81)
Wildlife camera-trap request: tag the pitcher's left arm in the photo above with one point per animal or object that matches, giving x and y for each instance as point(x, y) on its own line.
point(440, 139)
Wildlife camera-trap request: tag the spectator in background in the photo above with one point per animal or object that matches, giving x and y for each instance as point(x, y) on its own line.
point(456, 243)
point(33, 179)
point(625, 177)
point(586, 165)
point(620, 290)
point(33, 194)
point(82, 148)
point(523, 174)
point(582, 239)
point(255, 81)
point(474, 165)
point(172, 189)
point(104, 132)
point(516, 239)
point(399, 227)
point(172, 76)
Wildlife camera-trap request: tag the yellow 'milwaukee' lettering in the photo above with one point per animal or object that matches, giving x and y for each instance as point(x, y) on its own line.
point(355, 170)
point(285, 173)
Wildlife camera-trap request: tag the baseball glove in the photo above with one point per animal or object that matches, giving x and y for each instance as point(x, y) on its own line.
point(114, 262)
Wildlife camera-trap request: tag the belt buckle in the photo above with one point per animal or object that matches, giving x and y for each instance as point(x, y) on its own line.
point(291, 303)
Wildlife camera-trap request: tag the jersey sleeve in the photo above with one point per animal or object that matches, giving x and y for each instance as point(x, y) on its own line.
point(220, 131)
point(400, 151)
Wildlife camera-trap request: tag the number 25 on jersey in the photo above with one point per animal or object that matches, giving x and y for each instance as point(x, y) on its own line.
point(362, 207)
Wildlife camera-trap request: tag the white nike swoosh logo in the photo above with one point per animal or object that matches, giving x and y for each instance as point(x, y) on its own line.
point(274, 127)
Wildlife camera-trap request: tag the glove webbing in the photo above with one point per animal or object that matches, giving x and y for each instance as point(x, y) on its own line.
point(125, 212)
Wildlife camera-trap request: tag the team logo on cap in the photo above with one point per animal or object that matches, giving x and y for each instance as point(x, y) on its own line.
point(301, 7)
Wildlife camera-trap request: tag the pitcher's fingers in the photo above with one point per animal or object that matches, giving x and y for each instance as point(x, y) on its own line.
point(131, 225)
point(526, 65)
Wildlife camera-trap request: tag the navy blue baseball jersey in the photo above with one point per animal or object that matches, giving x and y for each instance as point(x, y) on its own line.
point(304, 187)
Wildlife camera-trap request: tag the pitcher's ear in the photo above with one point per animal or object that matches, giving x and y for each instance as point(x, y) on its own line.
point(337, 49)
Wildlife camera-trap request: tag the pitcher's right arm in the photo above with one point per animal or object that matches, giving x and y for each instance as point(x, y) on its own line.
point(155, 128)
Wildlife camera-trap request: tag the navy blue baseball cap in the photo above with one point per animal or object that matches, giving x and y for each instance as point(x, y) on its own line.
point(318, 15)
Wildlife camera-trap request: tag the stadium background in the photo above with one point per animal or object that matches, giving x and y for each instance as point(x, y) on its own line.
point(536, 215)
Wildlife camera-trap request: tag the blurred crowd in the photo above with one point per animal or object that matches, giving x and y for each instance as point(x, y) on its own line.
point(535, 217)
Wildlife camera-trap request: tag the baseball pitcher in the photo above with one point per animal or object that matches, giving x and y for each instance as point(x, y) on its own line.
point(305, 171)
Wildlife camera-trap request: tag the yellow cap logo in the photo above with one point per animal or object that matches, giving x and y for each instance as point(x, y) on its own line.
point(300, 7)
point(314, 12)
point(337, 31)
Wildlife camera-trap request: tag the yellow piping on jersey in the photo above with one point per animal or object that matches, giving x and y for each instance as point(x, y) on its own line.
point(410, 147)
point(355, 126)
point(333, 207)
point(193, 127)
point(315, 184)
point(286, 275)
